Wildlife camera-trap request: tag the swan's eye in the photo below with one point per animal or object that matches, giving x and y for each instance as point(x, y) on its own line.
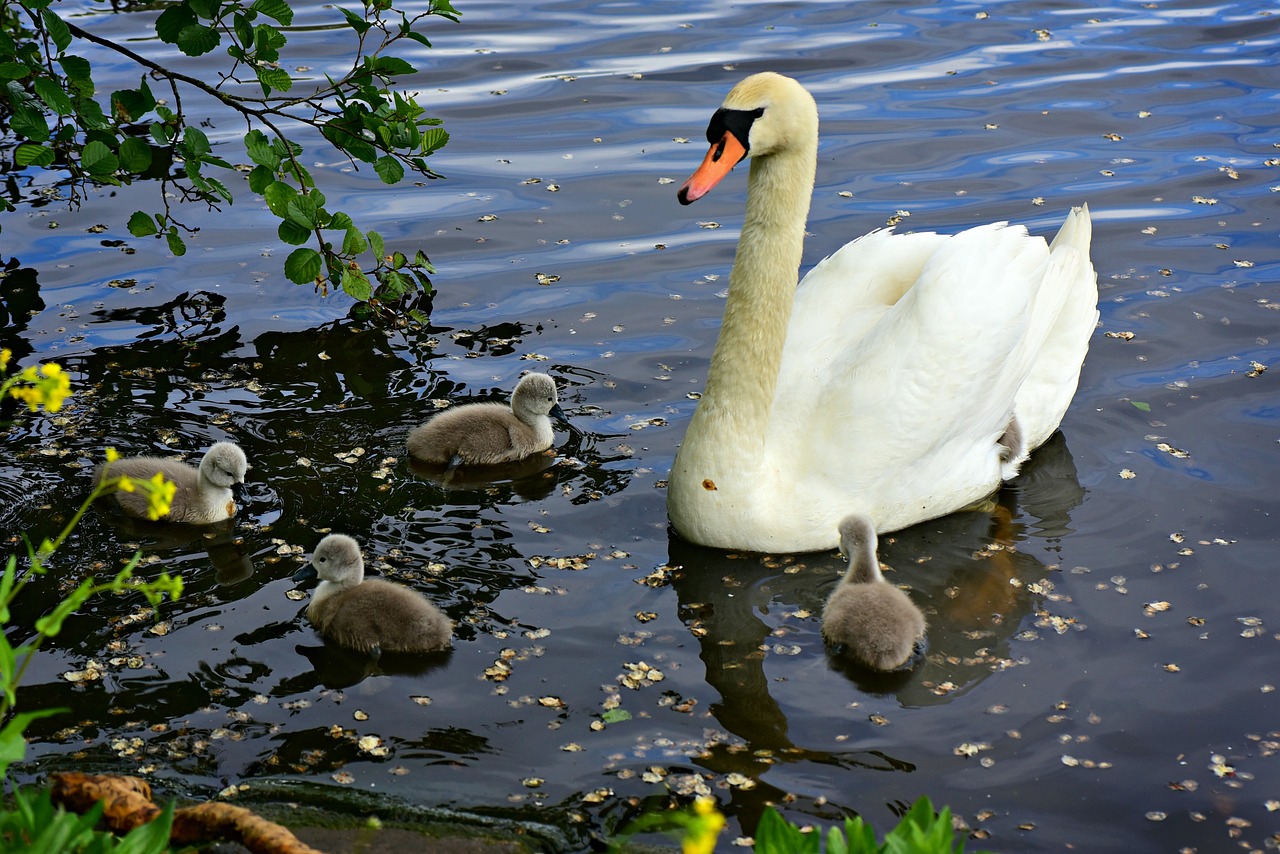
point(736, 122)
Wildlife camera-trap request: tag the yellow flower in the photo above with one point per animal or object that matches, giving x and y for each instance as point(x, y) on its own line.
point(112, 455)
point(47, 386)
point(5, 356)
point(125, 483)
point(160, 494)
point(704, 828)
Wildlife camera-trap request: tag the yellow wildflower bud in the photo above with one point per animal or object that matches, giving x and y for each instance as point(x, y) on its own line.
point(701, 833)
point(125, 483)
point(160, 496)
point(5, 357)
point(112, 455)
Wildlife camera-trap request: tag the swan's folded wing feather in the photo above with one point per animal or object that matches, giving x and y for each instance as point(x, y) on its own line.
point(930, 384)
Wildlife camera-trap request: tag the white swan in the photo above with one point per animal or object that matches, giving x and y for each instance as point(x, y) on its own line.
point(904, 377)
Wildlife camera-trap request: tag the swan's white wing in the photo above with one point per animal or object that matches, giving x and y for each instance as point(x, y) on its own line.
point(915, 394)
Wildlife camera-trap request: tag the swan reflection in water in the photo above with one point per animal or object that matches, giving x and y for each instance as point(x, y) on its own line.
point(975, 589)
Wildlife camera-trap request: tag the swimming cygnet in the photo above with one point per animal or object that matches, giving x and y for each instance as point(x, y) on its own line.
point(203, 495)
point(876, 622)
point(369, 615)
point(489, 433)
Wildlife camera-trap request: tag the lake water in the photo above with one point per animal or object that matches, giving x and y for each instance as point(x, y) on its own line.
point(1104, 643)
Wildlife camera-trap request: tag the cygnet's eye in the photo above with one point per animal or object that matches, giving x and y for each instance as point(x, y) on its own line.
point(320, 560)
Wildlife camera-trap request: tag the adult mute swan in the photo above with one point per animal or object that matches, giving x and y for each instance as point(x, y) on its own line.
point(901, 380)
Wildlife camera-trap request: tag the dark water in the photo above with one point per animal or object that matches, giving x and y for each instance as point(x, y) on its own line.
point(1099, 724)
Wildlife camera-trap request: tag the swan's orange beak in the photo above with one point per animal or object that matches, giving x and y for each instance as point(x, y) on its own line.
point(723, 156)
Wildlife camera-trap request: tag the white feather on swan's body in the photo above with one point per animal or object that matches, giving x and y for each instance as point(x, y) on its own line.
point(883, 384)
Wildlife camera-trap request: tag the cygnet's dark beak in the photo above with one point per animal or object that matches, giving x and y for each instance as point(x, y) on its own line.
point(563, 417)
point(307, 573)
point(237, 491)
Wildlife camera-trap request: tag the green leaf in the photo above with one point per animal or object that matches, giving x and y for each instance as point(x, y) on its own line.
point(149, 838)
point(356, 284)
point(132, 104)
point(13, 71)
point(1137, 404)
point(173, 21)
point(29, 154)
point(29, 123)
point(387, 66)
point(434, 139)
point(57, 29)
point(244, 29)
point(292, 233)
point(260, 178)
point(389, 170)
point(260, 150)
point(277, 10)
point(79, 73)
point(613, 716)
point(142, 225)
point(97, 159)
point(13, 747)
point(52, 94)
point(303, 266)
point(197, 40)
point(207, 9)
point(194, 143)
point(273, 78)
point(356, 22)
point(353, 243)
point(176, 244)
point(775, 835)
point(376, 244)
point(135, 155)
point(277, 196)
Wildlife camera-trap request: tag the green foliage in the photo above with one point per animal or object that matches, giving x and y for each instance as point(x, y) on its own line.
point(920, 831)
point(59, 121)
point(33, 825)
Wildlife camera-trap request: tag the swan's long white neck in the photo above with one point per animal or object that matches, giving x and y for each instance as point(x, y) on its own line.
point(743, 375)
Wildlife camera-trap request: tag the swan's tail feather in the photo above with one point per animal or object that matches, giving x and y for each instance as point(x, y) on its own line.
point(1051, 384)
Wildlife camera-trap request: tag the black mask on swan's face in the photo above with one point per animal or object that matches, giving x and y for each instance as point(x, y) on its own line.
point(736, 122)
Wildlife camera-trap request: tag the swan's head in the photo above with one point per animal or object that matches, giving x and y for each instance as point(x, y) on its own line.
point(337, 559)
point(535, 396)
point(224, 465)
point(764, 114)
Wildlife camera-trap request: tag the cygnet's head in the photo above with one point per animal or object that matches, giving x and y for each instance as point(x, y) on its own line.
point(224, 465)
point(858, 544)
point(535, 396)
point(337, 559)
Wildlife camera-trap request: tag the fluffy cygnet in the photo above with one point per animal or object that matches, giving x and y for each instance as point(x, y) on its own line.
point(203, 494)
point(489, 433)
point(876, 622)
point(369, 615)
